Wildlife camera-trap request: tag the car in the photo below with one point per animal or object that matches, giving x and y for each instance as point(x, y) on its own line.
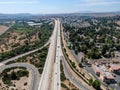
point(72, 77)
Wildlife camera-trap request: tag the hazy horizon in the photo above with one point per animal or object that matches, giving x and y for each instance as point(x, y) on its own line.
point(57, 7)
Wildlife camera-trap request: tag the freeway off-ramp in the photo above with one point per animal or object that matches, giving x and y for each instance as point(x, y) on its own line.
point(24, 54)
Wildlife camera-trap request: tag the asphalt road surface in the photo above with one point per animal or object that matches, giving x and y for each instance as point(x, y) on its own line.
point(46, 77)
point(50, 79)
point(21, 55)
point(35, 73)
point(57, 82)
point(72, 78)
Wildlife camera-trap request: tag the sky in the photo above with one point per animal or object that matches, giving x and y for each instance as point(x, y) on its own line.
point(58, 6)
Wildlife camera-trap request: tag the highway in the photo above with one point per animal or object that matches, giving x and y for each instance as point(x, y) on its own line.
point(46, 78)
point(57, 82)
point(50, 78)
point(35, 73)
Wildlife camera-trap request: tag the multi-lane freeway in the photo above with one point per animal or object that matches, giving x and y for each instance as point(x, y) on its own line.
point(46, 78)
point(56, 74)
point(50, 78)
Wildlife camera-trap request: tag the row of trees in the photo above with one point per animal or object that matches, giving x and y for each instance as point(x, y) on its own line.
point(95, 83)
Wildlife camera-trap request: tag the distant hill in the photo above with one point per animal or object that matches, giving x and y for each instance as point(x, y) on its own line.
point(100, 14)
point(19, 16)
point(85, 13)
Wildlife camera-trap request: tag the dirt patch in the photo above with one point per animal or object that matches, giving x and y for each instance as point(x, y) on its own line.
point(70, 85)
point(118, 22)
point(15, 40)
point(22, 84)
point(3, 29)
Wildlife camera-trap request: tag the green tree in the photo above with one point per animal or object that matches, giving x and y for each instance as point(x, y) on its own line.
point(80, 65)
point(90, 81)
point(104, 49)
point(14, 76)
point(96, 84)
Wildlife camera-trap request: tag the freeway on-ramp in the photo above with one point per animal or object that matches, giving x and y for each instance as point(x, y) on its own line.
point(35, 73)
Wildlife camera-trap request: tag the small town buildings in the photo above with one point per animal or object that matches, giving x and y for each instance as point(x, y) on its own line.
point(103, 73)
point(115, 68)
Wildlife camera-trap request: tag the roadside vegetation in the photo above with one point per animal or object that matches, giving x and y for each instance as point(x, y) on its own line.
point(62, 75)
point(65, 83)
point(13, 74)
point(95, 83)
point(21, 38)
point(37, 59)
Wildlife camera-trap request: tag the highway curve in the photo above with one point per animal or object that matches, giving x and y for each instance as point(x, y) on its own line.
point(35, 73)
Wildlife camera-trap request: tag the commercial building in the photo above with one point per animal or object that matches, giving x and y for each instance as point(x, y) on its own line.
point(103, 73)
